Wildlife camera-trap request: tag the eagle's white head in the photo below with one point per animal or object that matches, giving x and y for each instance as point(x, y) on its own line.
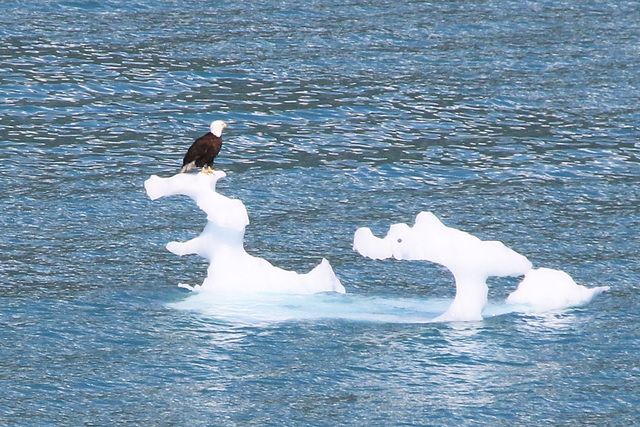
point(217, 126)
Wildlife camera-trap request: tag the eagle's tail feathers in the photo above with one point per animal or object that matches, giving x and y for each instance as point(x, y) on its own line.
point(187, 167)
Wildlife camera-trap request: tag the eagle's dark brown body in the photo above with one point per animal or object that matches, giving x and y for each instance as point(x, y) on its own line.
point(202, 152)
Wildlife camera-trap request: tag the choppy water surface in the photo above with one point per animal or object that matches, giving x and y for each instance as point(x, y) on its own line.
point(516, 121)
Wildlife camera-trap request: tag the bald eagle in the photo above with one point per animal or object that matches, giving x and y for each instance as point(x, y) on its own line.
point(205, 149)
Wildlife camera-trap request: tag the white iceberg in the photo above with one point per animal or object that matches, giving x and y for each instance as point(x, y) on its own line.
point(548, 289)
point(470, 259)
point(231, 268)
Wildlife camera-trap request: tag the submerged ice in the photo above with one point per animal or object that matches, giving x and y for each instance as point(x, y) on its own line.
point(231, 268)
point(472, 261)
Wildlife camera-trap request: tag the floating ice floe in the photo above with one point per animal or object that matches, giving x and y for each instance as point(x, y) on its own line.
point(231, 268)
point(472, 261)
point(548, 289)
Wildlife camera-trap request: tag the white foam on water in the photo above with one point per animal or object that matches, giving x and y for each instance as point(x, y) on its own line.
point(231, 269)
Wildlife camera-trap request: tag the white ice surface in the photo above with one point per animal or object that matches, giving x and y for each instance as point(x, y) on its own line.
point(231, 268)
point(472, 261)
point(548, 289)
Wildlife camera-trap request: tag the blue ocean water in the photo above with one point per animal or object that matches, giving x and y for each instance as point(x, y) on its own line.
point(513, 120)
